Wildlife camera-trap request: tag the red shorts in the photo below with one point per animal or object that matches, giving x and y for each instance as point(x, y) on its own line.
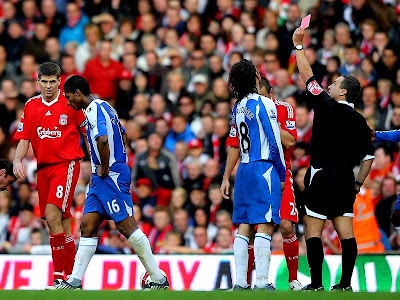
point(288, 204)
point(56, 185)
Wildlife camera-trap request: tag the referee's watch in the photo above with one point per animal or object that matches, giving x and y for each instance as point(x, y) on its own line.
point(298, 47)
point(358, 183)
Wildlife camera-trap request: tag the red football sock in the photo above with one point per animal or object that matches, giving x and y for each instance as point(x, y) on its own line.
point(251, 263)
point(57, 243)
point(291, 251)
point(70, 251)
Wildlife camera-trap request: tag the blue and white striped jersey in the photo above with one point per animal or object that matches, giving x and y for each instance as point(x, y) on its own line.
point(255, 119)
point(103, 120)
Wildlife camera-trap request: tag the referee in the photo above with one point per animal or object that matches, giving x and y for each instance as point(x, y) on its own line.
point(341, 139)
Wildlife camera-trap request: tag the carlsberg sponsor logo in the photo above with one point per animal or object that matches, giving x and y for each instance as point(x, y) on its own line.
point(47, 133)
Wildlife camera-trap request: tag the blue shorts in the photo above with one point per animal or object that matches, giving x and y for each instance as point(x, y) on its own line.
point(110, 196)
point(397, 205)
point(257, 195)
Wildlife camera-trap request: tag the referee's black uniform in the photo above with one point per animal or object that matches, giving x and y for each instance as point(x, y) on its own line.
point(341, 139)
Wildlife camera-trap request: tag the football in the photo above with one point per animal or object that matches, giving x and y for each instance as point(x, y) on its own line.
point(145, 279)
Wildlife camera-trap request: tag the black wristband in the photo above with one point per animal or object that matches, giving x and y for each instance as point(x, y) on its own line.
point(358, 183)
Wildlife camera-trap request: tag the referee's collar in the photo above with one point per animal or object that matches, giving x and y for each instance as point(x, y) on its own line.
point(347, 103)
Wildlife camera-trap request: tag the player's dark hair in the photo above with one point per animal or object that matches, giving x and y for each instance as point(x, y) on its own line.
point(353, 87)
point(242, 79)
point(77, 82)
point(49, 69)
point(264, 83)
point(8, 166)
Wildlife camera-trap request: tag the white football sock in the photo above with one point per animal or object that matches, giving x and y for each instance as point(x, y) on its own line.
point(241, 253)
point(398, 229)
point(141, 245)
point(87, 247)
point(262, 257)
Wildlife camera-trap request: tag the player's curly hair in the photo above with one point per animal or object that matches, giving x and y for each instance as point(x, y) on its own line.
point(242, 79)
point(77, 82)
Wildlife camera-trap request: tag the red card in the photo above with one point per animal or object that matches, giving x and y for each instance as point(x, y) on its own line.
point(305, 22)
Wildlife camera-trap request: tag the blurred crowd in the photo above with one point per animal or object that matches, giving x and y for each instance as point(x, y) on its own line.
point(164, 64)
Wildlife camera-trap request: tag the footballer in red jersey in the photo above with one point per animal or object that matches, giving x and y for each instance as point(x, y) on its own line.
point(288, 212)
point(53, 128)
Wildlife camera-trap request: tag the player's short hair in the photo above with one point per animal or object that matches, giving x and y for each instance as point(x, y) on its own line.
point(8, 166)
point(49, 69)
point(264, 83)
point(353, 87)
point(242, 79)
point(77, 82)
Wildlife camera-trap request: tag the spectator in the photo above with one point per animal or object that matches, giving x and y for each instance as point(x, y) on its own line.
point(195, 177)
point(20, 228)
point(7, 69)
point(53, 50)
point(161, 227)
point(68, 68)
point(283, 88)
point(198, 66)
point(180, 131)
point(73, 30)
point(36, 45)
point(351, 60)
point(14, 42)
point(181, 224)
point(220, 134)
point(103, 73)
point(186, 107)
point(223, 241)
point(158, 165)
point(385, 206)
point(201, 218)
point(5, 202)
point(389, 64)
point(366, 229)
point(382, 165)
point(304, 124)
point(147, 199)
point(51, 17)
point(201, 239)
point(90, 47)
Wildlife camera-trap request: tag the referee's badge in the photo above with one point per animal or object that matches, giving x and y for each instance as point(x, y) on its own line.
point(63, 119)
point(314, 88)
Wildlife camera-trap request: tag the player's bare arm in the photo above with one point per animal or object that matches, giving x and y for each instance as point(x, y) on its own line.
point(231, 161)
point(104, 151)
point(20, 153)
point(288, 140)
point(302, 62)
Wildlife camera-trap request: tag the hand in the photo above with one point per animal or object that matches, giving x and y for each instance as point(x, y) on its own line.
point(298, 36)
point(27, 248)
point(225, 188)
point(19, 169)
point(357, 188)
point(373, 135)
point(152, 163)
point(102, 170)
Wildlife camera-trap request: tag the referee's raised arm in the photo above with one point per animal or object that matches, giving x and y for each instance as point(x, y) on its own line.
point(302, 62)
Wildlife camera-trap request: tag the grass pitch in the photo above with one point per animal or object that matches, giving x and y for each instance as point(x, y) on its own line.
point(191, 295)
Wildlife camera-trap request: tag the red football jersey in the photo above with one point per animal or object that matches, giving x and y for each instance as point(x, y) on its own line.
point(53, 129)
point(286, 121)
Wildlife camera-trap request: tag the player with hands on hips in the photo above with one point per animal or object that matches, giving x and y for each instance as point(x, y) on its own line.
point(109, 195)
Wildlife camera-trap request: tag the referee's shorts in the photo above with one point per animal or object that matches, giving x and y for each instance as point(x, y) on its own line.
point(329, 192)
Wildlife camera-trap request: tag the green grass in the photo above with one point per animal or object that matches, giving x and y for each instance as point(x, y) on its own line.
point(190, 295)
